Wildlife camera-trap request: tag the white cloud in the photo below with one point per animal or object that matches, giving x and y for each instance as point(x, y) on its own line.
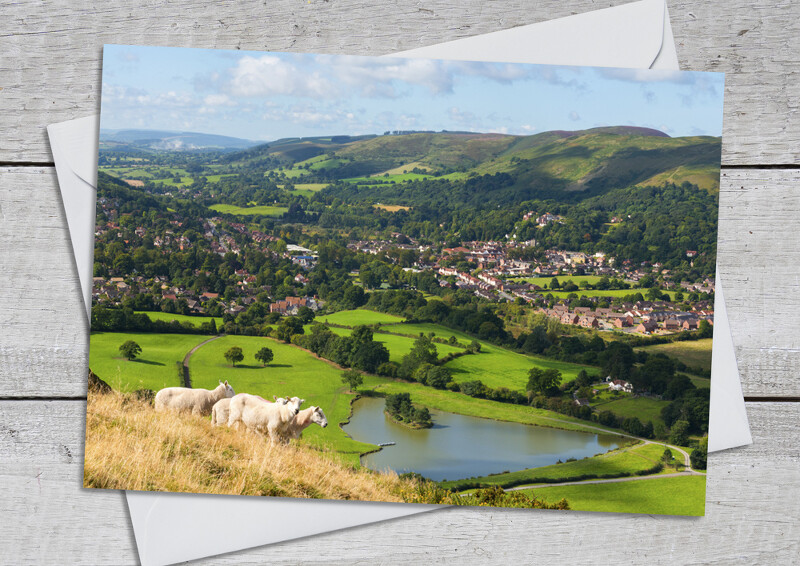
point(269, 75)
point(218, 100)
point(574, 116)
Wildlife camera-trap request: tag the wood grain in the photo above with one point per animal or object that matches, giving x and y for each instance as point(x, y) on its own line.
point(758, 256)
point(50, 52)
point(751, 514)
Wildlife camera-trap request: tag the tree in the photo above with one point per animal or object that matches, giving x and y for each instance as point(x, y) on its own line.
point(352, 378)
point(234, 355)
point(699, 455)
point(543, 381)
point(678, 433)
point(265, 355)
point(130, 349)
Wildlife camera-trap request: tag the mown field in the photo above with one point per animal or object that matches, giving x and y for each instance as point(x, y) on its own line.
point(644, 408)
point(625, 460)
point(494, 366)
point(154, 368)
point(694, 353)
point(264, 210)
point(293, 372)
point(615, 293)
point(399, 346)
point(353, 318)
point(563, 279)
point(657, 496)
point(169, 317)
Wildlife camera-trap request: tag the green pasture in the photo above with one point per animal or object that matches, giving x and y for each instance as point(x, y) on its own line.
point(644, 408)
point(613, 293)
point(292, 372)
point(563, 279)
point(494, 366)
point(399, 346)
point(684, 495)
point(169, 317)
point(185, 182)
point(625, 460)
point(265, 210)
point(694, 353)
point(154, 368)
point(356, 317)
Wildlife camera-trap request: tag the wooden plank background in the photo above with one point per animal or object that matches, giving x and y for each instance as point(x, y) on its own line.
point(49, 72)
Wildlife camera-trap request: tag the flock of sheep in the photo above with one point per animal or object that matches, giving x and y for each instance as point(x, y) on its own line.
point(281, 420)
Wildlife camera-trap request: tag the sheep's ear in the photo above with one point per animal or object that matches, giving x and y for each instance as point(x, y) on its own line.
point(302, 401)
point(226, 382)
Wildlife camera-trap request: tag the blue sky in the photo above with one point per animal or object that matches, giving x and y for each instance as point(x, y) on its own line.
point(266, 96)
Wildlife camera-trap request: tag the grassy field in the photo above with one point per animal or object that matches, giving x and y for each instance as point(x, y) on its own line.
point(494, 366)
point(130, 446)
point(626, 460)
point(265, 210)
point(353, 318)
point(615, 293)
point(195, 320)
point(656, 496)
point(399, 346)
point(563, 279)
point(694, 353)
point(293, 372)
point(153, 369)
point(644, 408)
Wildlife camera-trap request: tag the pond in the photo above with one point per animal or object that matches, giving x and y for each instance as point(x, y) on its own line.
point(460, 447)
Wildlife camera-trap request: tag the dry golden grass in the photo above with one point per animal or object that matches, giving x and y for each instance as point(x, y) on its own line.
point(130, 446)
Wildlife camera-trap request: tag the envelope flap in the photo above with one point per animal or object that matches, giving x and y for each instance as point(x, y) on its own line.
point(632, 37)
point(77, 141)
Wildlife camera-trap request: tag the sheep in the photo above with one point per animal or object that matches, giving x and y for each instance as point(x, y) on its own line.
point(303, 420)
point(262, 416)
point(195, 401)
point(222, 408)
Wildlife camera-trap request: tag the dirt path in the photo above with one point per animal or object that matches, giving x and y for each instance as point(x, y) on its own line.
point(187, 380)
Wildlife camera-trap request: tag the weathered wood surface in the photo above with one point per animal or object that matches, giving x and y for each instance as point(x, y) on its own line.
point(50, 51)
point(752, 514)
point(758, 212)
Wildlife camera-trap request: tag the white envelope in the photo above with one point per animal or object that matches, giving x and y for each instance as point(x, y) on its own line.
point(176, 527)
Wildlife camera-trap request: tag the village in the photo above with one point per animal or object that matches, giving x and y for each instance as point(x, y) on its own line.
point(491, 270)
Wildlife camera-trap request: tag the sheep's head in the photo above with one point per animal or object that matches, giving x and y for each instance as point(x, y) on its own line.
point(280, 400)
point(229, 392)
point(294, 404)
point(317, 416)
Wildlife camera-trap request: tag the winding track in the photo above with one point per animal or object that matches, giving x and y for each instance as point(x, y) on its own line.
point(187, 380)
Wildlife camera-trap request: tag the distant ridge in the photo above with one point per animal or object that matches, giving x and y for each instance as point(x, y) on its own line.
point(166, 140)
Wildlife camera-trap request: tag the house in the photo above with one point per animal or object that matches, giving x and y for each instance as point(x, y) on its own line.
point(589, 322)
point(647, 326)
point(690, 324)
point(672, 324)
point(620, 385)
point(621, 320)
point(570, 318)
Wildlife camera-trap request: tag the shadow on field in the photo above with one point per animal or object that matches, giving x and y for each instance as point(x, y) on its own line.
point(247, 366)
point(148, 362)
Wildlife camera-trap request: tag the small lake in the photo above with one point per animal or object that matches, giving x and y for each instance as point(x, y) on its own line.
point(460, 447)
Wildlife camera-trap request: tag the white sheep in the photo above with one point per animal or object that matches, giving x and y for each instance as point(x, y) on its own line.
point(302, 420)
point(222, 409)
point(258, 415)
point(195, 401)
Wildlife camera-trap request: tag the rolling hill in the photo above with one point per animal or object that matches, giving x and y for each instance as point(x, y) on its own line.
point(170, 141)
